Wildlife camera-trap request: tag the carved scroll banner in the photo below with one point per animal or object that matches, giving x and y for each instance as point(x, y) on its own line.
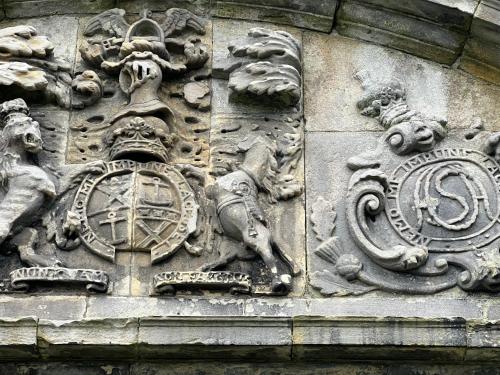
point(169, 282)
point(94, 280)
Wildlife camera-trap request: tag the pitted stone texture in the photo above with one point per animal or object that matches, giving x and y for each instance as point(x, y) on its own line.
point(331, 91)
point(311, 14)
point(435, 30)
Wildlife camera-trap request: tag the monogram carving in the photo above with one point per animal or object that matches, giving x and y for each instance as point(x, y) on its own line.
point(415, 206)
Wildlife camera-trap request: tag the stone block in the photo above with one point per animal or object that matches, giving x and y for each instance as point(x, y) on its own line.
point(481, 56)
point(18, 338)
point(331, 91)
point(215, 338)
point(411, 338)
point(410, 28)
point(42, 307)
point(30, 8)
point(311, 14)
point(98, 339)
point(123, 307)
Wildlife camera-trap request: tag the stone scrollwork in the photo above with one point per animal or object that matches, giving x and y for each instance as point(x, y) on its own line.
point(427, 217)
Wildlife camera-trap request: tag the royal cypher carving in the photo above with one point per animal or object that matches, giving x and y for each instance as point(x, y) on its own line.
point(431, 214)
point(138, 197)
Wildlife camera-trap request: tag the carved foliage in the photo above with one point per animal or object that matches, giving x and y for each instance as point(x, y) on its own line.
point(269, 66)
point(27, 62)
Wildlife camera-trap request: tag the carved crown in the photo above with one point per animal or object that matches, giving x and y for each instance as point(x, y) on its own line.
point(139, 139)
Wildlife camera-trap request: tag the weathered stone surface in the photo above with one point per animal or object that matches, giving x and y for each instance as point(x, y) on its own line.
point(29, 8)
point(316, 15)
point(411, 28)
point(430, 88)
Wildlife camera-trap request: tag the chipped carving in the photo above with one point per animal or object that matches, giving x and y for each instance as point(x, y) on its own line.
point(27, 62)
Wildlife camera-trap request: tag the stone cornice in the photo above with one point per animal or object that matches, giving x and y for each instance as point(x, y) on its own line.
point(51, 327)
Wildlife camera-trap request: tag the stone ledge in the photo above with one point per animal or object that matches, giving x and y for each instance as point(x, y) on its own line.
point(300, 338)
point(311, 14)
point(318, 329)
point(421, 30)
point(481, 55)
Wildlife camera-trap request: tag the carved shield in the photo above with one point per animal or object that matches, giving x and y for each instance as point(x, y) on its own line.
point(136, 207)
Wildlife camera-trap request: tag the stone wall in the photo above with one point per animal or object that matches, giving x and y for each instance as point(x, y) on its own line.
point(244, 187)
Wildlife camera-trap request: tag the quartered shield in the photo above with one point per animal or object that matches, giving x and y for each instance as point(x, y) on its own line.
point(146, 207)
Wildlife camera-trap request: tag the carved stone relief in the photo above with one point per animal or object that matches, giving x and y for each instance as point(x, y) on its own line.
point(148, 195)
point(267, 64)
point(420, 207)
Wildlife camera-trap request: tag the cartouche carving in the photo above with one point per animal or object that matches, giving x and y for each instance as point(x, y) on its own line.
point(429, 213)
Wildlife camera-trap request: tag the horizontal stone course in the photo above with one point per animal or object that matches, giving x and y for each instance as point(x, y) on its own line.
point(119, 327)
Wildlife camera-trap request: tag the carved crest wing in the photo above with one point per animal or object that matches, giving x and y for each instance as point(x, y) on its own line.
point(111, 22)
point(180, 19)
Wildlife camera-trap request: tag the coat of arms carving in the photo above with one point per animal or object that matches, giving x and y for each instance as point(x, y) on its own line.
point(150, 180)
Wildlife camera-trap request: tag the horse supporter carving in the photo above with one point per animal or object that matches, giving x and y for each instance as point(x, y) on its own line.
point(242, 219)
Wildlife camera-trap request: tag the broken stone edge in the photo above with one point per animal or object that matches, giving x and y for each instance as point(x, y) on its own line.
point(75, 328)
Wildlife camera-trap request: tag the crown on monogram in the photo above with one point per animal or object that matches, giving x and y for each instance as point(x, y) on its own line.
point(137, 139)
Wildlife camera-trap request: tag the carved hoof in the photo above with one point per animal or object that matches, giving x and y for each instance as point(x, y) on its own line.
point(281, 284)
